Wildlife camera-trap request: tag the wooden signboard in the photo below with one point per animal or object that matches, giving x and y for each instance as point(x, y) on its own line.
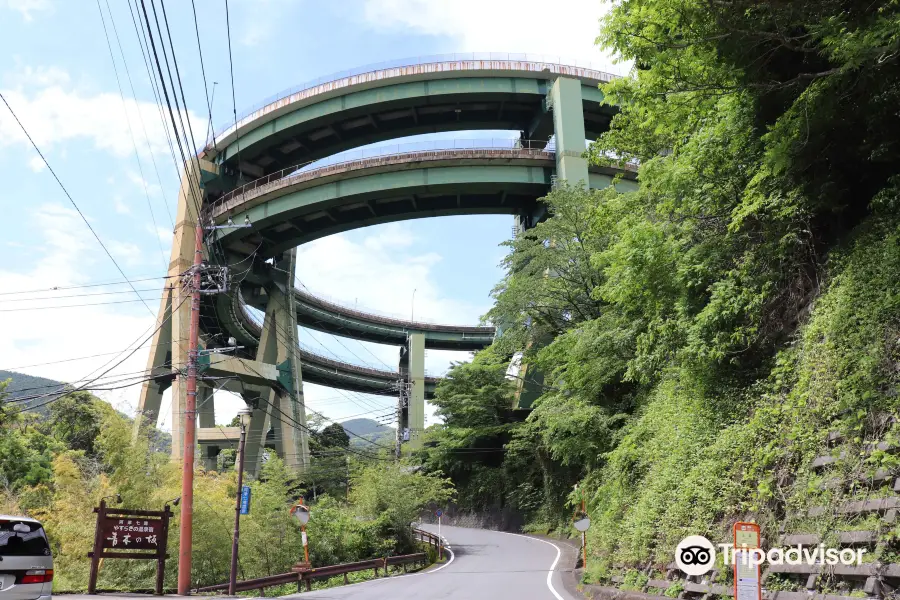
point(121, 531)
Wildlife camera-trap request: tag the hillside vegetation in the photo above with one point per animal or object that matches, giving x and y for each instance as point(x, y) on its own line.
point(701, 336)
point(56, 467)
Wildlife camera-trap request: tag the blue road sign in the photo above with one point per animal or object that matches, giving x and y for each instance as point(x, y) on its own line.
point(245, 500)
point(438, 513)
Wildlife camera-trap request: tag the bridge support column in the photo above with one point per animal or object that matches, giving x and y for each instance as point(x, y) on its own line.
point(169, 346)
point(417, 390)
point(568, 125)
point(278, 346)
point(206, 417)
point(256, 432)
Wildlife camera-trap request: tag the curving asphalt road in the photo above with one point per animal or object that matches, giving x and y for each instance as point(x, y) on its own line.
point(487, 565)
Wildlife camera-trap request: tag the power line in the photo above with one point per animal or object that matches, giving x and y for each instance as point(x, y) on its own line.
point(233, 100)
point(31, 308)
point(99, 376)
point(112, 21)
point(76, 295)
point(66, 192)
point(203, 70)
point(56, 362)
point(187, 167)
point(144, 44)
point(131, 134)
point(88, 285)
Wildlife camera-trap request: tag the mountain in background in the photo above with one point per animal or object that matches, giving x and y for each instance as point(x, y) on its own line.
point(22, 385)
point(369, 429)
point(29, 385)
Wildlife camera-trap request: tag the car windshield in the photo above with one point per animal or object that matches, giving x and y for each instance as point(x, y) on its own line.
point(19, 538)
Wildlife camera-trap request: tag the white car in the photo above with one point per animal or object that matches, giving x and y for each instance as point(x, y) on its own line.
point(26, 565)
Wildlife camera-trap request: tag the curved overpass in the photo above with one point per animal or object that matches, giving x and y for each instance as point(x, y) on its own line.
point(329, 317)
point(383, 104)
point(260, 170)
point(337, 374)
point(306, 205)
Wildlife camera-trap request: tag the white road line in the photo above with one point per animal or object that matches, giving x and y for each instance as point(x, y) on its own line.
point(552, 567)
point(452, 556)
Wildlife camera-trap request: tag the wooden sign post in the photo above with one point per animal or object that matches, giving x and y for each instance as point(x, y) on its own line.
point(119, 531)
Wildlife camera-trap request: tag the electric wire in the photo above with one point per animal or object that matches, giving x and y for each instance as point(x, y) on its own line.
point(79, 388)
point(88, 285)
point(187, 167)
point(131, 134)
point(144, 43)
point(203, 70)
point(112, 21)
point(69, 196)
point(237, 139)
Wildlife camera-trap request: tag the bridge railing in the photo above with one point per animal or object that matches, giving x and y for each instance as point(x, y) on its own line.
point(370, 314)
point(300, 577)
point(600, 71)
point(321, 167)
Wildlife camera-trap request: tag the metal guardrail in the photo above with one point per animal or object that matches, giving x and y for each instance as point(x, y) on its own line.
point(436, 63)
point(473, 331)
point(306, 576)
point(318, 168)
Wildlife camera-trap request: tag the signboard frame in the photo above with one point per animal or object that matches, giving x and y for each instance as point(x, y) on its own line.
point(155, 522)
point(751, 531)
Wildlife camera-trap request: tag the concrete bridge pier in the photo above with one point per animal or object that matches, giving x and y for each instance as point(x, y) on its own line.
point(278, 346)
point(412, 380)
point(568, 126)
point(169, 349)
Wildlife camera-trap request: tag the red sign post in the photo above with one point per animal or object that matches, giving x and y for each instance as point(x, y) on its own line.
point(747, 583)
point(120, 531)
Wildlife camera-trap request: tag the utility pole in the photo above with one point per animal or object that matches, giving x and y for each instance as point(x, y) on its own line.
point(244, 414)
point(190, 414)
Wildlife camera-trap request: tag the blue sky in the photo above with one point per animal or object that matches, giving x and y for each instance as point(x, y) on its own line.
point(110, 151)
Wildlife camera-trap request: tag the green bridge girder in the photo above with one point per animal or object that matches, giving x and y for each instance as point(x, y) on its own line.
point(469, 186)
point(320, 122)
point(329, 121)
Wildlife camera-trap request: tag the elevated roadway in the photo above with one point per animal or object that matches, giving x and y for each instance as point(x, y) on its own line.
point(261, 170)
point(438, 95)
point(341, 375)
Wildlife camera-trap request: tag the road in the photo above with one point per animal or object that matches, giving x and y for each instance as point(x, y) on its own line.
point(487, 565)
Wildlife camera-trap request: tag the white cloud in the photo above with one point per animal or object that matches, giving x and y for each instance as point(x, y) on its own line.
point(120, 206)
point(567, 29)
point(66, 254)
point(127, 252)
point(37, 164)
point(26, 7)
point(55, 112)
point(384, 273)
point(165, 235)
point(151, 188)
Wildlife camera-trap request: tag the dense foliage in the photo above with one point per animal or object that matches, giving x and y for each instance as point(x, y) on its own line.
point(699, 337)
point(57, 470)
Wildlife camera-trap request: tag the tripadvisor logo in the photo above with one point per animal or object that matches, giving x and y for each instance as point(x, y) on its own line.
point(696, 555)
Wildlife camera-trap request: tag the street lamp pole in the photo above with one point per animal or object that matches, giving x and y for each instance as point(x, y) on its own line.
point(244, 416)
point(412, 308)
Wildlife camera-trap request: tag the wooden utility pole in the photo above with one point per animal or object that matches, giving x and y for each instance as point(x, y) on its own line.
point(190, 422)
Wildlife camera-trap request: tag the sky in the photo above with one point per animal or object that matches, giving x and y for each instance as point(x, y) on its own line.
point(96, 122)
